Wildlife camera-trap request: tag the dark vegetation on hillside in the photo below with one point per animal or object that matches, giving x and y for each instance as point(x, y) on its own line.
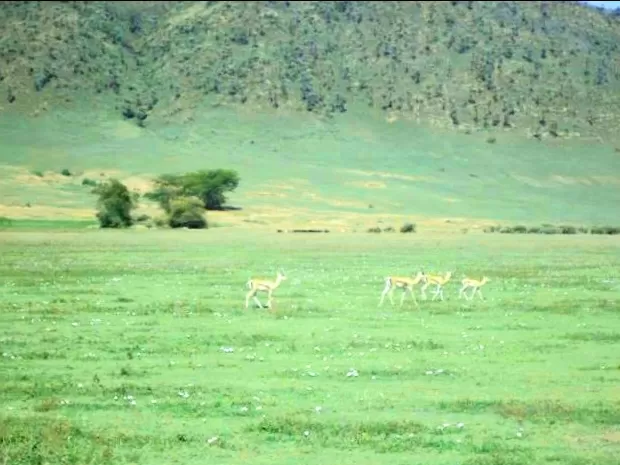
point(542, 68)
point(183, 198)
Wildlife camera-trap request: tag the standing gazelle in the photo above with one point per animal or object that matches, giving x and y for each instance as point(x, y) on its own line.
point(401, 282)
point(475, 285)
point(263, 285)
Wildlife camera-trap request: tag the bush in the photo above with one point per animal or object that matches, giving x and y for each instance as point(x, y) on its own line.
point(38, 173)
point(492, 229)
point(160, 222)
point(65, 172)
point(611, 230)
point(389, 229)
point(547, 228)
point(564, 229)
point(114, 205)
point(89, 182)
point(408, 228)
point(376, 229)
point(186, 212)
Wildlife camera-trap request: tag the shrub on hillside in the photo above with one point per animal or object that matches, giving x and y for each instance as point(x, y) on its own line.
point(566, 229)
point(186, 212)
point(114, 204)
point(518, 229)
point(611, 230)
point(408, 228)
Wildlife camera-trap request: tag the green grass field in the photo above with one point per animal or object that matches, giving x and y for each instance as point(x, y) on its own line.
point(134, 347)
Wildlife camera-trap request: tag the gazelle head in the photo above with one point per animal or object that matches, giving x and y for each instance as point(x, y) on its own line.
point(281, 276)
point(484, 280)
point(420, 276)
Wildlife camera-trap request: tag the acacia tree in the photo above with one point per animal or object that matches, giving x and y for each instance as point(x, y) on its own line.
point(209, 186)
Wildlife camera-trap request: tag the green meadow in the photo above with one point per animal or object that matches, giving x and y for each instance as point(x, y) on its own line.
point(134, 347)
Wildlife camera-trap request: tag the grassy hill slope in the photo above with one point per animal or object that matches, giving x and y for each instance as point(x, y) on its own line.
point(343, 113)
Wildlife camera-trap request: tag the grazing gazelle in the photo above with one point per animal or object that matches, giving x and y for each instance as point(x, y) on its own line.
point(475, 284)
point(263, 285)
point(437, 280)
point(401, 282)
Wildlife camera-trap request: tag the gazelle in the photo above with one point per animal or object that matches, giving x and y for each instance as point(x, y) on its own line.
point(438, 281)
point(473, 283)
point(263, 285)
point(401, 282)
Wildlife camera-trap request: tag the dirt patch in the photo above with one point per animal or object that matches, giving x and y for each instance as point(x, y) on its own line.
point(611, 436)
point(451, 199)
point(335, 202)
point(606, 180)
point(273, 216)
point(286, 187)
point(49, 177)
point(384, 174)
point(569, 181)
point(367, 185)
point(138, 184)
point(45, 212)
point(25, 176)
point(257, 194)
point(557, 179)
point(528, 181)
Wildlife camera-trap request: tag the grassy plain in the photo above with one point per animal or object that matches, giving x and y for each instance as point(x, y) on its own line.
point(116, 348)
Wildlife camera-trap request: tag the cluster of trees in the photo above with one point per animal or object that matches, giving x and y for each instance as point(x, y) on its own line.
point(183, 197)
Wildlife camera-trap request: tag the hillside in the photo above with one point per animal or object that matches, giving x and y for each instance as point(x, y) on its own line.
point(341, 112)
point(542, 68)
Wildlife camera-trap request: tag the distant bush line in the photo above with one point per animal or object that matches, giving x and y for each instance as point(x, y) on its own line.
point(551, 229)
point(405, 228)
